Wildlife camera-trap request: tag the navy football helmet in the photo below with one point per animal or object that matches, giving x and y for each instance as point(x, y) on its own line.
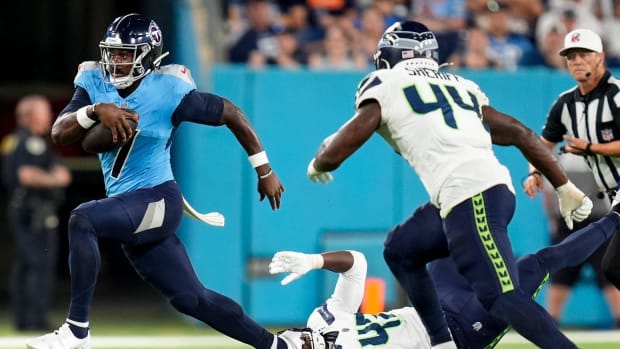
point(302, 338)
point(407, 40)
point(307, 338)
point(141, 39)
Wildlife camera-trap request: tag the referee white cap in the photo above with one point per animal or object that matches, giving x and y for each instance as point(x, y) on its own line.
point(582, 38)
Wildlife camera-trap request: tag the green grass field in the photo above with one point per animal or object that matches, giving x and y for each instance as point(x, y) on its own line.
point(150, 323)
point(157, 327)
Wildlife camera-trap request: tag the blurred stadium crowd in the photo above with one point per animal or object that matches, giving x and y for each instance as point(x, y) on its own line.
point(473, 34)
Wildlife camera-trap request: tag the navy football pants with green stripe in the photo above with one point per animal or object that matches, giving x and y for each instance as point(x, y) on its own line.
point(472, 326)
point(475, 235)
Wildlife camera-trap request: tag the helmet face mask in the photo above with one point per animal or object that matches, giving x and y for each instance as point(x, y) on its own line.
point(405, 41)
point(131, 48)
point(303, 338)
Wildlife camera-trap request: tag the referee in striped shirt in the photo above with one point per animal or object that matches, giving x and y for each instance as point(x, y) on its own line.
point(587, 119)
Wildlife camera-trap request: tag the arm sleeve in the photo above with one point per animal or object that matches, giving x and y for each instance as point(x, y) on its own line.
point(349, 289)
point(199, 107)
point(80, 98)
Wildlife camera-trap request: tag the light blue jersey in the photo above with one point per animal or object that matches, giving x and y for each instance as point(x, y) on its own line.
point(144, 161)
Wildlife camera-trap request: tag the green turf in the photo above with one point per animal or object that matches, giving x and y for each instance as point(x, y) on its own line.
point(156, 318)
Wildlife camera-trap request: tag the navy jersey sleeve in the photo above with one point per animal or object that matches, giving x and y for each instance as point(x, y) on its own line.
point(80, 98)
point(554, 129)
point(199, 107)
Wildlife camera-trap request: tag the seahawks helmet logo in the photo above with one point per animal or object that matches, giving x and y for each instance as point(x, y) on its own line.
point(391, 39)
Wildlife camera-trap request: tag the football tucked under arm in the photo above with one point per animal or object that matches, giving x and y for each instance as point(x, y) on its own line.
point(98, 139)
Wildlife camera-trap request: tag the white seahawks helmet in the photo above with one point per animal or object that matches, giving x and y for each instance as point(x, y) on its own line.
point(407, 41)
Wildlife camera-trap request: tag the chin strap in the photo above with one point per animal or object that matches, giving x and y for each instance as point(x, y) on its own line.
point(157, 60)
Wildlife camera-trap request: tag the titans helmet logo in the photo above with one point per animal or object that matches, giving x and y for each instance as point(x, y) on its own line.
point(155, 34)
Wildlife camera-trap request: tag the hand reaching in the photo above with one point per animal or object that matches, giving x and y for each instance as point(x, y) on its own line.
point(269, 186)
point(295, 263)
point(533, 184)
point(314, 175)
point(574, 204)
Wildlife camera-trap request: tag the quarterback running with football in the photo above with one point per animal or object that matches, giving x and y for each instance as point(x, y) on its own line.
point(144, 206)
point(337, 324)
point(443, 125)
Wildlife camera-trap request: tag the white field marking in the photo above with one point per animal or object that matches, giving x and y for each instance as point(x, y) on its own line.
point(190, 341)
point(221, 341)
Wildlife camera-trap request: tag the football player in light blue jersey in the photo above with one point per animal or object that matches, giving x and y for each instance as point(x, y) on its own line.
point(159, 95)
point(144, 205)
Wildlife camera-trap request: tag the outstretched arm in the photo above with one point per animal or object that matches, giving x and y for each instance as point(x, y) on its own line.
point(351, 265)
point(298, 263)
point(506, 130)
point(209, 109)
point(336, 148)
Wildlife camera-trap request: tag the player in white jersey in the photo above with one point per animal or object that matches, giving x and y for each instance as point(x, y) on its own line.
point(443, 125)
point(337, 320)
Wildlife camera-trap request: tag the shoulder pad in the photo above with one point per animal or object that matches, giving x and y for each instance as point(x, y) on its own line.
point(367, 83)
point(365, 79)
point(473, 87)
point(177, 70)
point(86, 66)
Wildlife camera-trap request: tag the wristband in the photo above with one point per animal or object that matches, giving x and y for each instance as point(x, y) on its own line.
point(316, 261)
point(535, 172)
point(93, 112)
point(589, 149)
point(83, 119)
point(266, 174)
point(258, 159)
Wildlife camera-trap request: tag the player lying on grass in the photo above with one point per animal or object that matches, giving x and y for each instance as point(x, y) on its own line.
point(336, 324)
